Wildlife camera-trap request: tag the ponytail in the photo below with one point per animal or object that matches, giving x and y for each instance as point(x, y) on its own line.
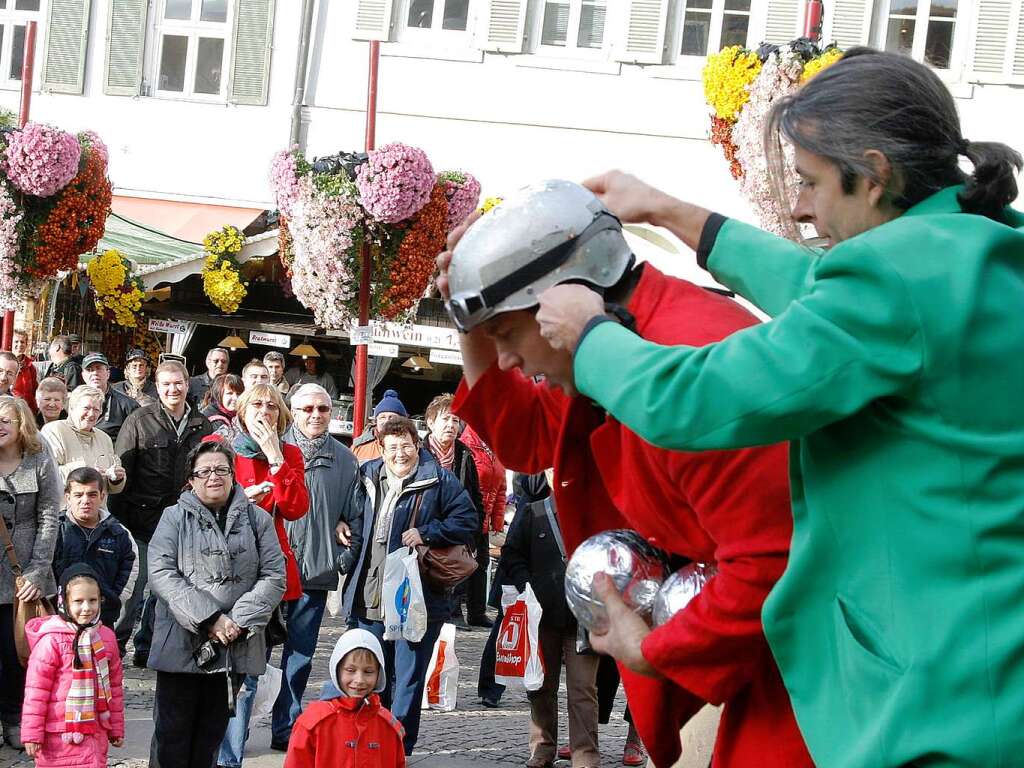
point(993, 185)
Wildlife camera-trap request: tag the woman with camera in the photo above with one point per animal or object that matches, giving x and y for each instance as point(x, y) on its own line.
point(216, 566)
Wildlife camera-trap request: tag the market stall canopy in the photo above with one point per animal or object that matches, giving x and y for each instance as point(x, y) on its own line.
point(180, 219)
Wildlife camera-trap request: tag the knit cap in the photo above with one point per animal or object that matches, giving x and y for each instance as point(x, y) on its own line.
point(390, 404)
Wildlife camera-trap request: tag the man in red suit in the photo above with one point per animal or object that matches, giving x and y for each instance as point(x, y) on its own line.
point(729, 508)
point(27, 381)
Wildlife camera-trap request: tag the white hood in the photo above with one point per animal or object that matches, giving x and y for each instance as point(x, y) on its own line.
point(358, 638)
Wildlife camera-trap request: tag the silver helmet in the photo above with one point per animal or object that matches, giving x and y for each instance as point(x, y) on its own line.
point(545, 234)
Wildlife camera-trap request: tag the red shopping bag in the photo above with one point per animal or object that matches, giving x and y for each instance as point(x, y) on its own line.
point(518, 659)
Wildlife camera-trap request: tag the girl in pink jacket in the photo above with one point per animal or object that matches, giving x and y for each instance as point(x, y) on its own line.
point(74, 700)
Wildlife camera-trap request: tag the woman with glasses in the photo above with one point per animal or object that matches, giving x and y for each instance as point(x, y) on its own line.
point(272, 474)
point(75, 442)
point(30, 498)
point(407, 500)
point(217, 568)
point(220, 403)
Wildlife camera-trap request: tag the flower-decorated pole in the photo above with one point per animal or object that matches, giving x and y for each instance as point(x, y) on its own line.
point(27, 68)
point(359, 414)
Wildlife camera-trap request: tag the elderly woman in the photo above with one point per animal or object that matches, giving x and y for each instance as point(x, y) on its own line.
point(30, 498)
point(51, 397)
point(220, 402)
point(217, 570)
point(408, 500)
point(75, 442)
point(272, 474)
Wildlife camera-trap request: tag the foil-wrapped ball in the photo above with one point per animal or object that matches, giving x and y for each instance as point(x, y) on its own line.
point(679, 589)
point(636, 568)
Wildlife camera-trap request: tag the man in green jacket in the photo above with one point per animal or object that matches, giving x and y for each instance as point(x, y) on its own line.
point(893, 365)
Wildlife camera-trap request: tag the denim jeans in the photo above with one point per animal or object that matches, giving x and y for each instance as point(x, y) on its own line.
point(136, 604)
point(304, 617)
point(232, 746)
point(407, 675)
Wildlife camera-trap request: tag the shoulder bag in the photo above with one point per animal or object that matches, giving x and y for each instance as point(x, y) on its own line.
point(443, 567)
point(24, 610)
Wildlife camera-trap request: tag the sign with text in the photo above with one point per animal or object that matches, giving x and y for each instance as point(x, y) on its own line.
point(270, 339)
point(426, 336)
point(167, 326)
point(449, 356)
point(360, 335)
point(383, 350)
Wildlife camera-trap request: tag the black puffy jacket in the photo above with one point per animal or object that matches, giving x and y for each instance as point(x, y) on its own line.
point(107, 548)
point(154, 460)
point(117, 406)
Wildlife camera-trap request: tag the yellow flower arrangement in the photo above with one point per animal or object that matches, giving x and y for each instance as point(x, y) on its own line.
point(814, 66)
point(119, 293)
point(222, 282)
point(489, 203)
point(726, 78)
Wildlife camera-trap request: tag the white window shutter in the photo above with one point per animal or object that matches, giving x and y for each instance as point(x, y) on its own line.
point(849, 23)
point(997, 53)
point(253, 39)
point(67, 34)
point(503, 26)
point(373, 20)
point(1018, 49)
point(642, 39)
point(126, 45)
point(783, 20)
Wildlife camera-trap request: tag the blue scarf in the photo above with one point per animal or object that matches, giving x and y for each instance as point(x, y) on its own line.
point(245, 446)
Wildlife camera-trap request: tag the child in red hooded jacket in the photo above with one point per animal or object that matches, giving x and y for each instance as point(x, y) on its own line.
point(348, 727)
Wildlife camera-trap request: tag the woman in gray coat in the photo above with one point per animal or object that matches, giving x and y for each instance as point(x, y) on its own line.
point(216, 567)
point(30, 499)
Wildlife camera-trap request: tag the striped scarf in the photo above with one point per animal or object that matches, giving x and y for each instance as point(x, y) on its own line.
point(445, 458)
point(89, 697)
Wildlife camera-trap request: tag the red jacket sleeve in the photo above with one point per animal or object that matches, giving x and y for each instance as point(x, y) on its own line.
point(500, 491)
point(714, 646)
point(41, 678)
point(301, 747)
point(518, 418)
point(290, 494)
point(116, 683)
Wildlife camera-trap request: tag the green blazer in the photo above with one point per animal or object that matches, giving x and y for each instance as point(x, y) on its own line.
point(894, 364)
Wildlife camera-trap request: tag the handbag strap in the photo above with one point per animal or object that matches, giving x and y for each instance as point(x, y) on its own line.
point(9, 548)
point(555, 530)
point(416, 509)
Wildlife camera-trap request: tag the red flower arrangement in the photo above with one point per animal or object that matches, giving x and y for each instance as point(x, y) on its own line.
point(721, 134)
point(410, 271)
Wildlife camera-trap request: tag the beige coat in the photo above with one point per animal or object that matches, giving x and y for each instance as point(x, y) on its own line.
point(72, 449)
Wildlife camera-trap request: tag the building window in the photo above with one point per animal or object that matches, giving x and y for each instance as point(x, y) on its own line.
point(14, 16)
point(923, 29)
point(451, 15)
point(574, 25)
point(193, 42)
point(708, 26)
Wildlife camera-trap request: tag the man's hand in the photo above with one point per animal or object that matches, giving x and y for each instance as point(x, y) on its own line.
point(32, 749)
point(564, 312)
point(27, 591)
point(627, 197)
point(412, 538)
point(343, 533)
point(224, 630)
point(626, 630)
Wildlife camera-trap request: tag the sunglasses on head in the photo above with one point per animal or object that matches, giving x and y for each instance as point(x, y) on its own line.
point(316, 408)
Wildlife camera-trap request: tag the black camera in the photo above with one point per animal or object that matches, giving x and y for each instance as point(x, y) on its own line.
point(206, 655)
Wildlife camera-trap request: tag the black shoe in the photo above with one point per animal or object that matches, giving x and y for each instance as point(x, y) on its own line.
point(280, 746)
point(140, 659)
point(460, 623)
point(489, 702)
point(481, 621)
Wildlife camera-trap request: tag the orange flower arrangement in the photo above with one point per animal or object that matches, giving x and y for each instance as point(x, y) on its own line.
point(414, 264)
point(76, 222)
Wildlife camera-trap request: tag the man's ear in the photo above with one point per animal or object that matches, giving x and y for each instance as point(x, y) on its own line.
point(880, 187)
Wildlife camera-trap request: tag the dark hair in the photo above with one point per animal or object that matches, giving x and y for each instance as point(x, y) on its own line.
point(210, 446)
point(9, 356)
point(871, 100)
point(275, 356)
point(399, 427)
point(86, 476)
point(215, 394)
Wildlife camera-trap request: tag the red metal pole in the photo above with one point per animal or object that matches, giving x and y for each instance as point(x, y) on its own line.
point(359, 416)
point(27, 67)
point(812, 20)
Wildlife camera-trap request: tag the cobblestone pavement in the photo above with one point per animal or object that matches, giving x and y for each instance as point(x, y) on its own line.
point(472, 735)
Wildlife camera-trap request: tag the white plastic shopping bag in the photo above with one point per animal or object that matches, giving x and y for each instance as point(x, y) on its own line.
point(267, 688)
point(518, 660)
point(442, 689)
point(405, 611)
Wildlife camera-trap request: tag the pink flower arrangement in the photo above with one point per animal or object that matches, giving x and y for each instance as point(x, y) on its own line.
point(284, 179)
point(395, 183)
point(40, 160)
point(463, 193)
point(11, 291)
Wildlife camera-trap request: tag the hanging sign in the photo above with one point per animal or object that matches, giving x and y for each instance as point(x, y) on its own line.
point(270, 339)
point(427, 336)
point(383, 350)
point(167, 326)
point(449, 356)
point(360, 335)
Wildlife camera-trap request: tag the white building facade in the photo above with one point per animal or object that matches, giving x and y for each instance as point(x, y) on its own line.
point(193, 97)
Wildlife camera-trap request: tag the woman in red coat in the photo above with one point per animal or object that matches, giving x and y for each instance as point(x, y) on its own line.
point(274, 477)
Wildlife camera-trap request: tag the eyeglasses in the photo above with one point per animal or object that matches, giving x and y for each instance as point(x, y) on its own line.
point(315, 408)
point(408, 448)
point(206, 472)
point(7, 421)
point(269, 405)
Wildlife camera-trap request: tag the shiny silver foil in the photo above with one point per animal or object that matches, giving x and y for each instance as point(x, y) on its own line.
point(679, 589)
point(636, 568)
